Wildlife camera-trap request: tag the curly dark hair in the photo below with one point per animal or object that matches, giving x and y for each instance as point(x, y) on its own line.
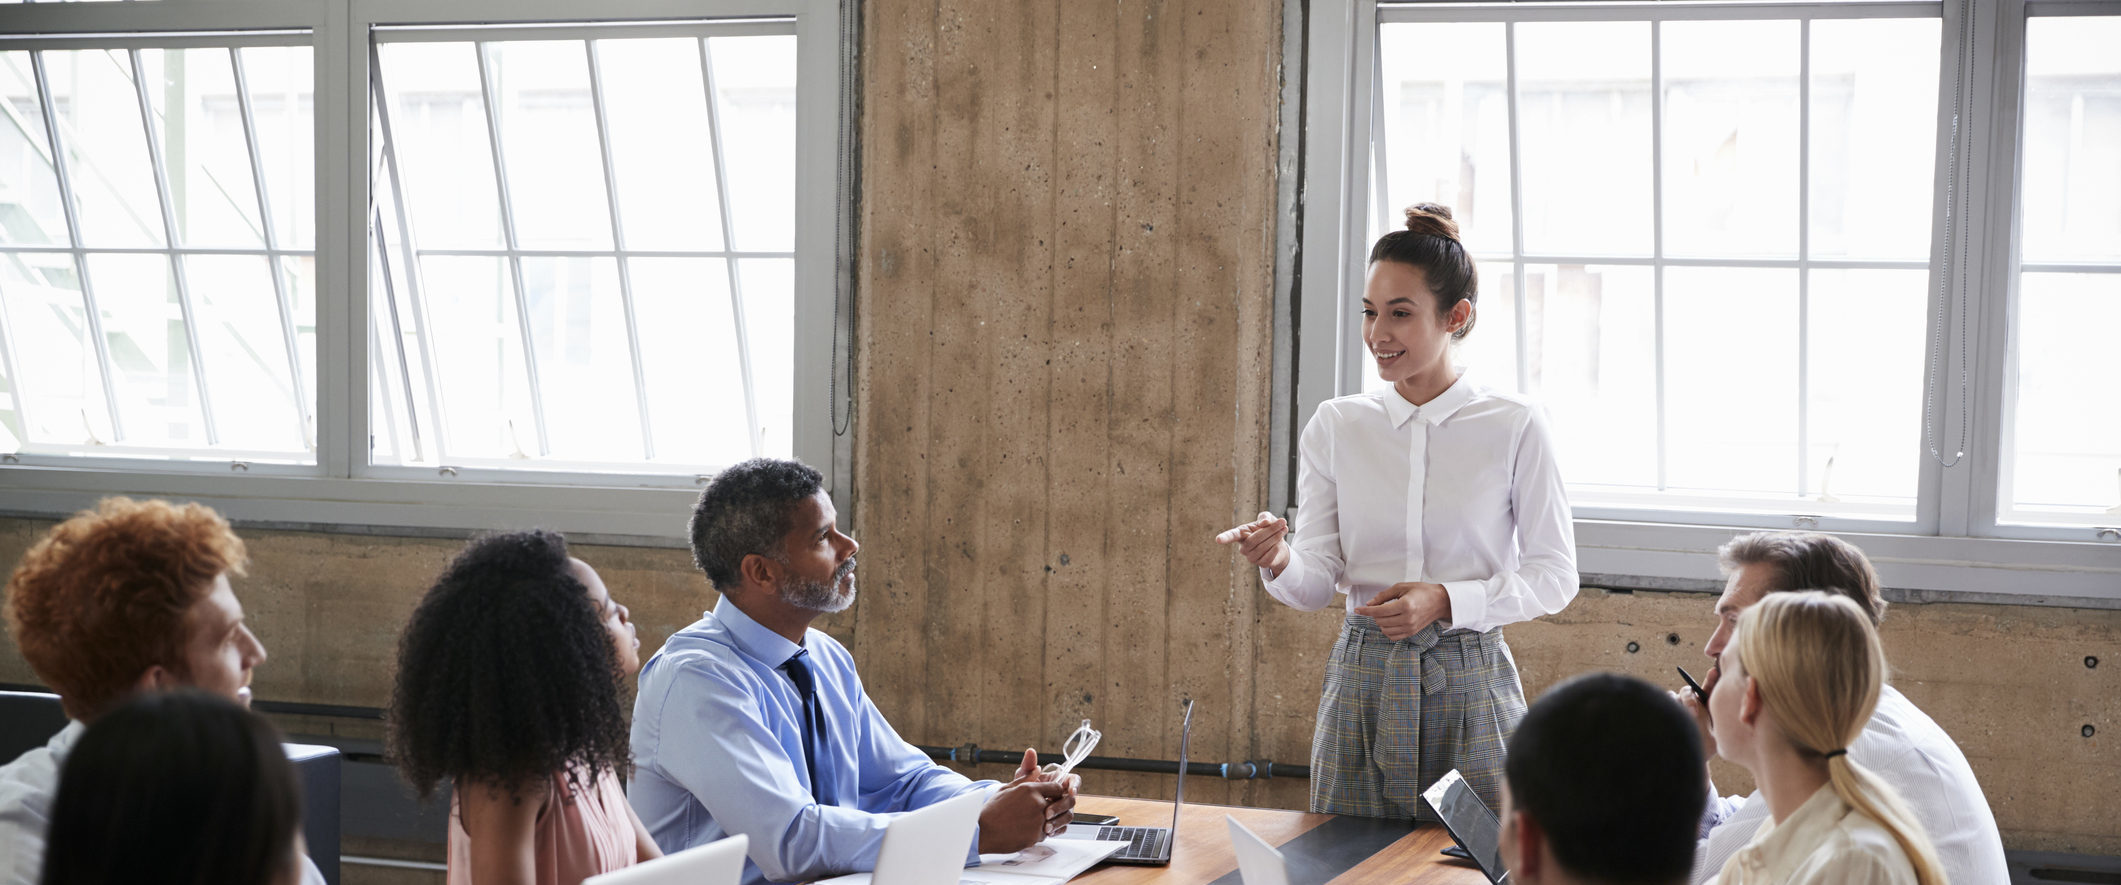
point(748, 509)
point(506, 675)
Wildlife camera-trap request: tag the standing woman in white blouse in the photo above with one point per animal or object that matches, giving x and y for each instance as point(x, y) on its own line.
point(1437, 508)
point(1798, 685)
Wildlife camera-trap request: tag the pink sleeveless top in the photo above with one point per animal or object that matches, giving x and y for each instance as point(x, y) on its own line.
point(578, 834)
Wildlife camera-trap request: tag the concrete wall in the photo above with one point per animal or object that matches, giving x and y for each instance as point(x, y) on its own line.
point(1066, 224)
point(2010, 683)
point(1066, 276)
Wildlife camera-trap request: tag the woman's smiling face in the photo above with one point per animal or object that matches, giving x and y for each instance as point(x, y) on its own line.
point(1404, 332)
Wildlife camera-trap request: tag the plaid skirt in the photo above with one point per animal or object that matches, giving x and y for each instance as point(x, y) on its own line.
point(1397, 715)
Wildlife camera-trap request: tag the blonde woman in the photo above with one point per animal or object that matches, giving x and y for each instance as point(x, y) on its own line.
point(1797, 687)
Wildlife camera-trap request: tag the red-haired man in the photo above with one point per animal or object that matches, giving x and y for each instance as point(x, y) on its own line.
point(131, 596)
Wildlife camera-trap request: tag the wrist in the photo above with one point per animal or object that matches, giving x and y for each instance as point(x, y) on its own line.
point(1279, 564)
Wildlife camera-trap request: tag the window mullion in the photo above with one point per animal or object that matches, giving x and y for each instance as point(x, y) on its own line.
point(1945, 453)
point(272, 245)
point(155, 159)
point(1657, 236)
point(618, 242)
point(1380, 157)
point(1992, 283)
point(508, 233)
point(61, 169)
point(1517, 293)
point(1804, 271)
point(736, 284)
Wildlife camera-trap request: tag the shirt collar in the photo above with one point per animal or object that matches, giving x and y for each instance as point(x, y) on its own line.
point(63, 743)
point(752, 638)
point(1779, 848)
point(1437, 410)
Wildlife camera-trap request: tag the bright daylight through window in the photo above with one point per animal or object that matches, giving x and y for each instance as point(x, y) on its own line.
point(1704, 244)
point(584, 250)
point(157, 252)
point(2064, 463)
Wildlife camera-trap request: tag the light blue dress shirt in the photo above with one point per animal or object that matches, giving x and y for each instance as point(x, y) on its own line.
point(718, 750)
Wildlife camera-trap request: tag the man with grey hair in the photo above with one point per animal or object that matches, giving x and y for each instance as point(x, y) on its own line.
point(1901, 744)
point(749, 721)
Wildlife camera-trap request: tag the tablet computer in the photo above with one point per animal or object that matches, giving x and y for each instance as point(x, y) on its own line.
point(1472, 825)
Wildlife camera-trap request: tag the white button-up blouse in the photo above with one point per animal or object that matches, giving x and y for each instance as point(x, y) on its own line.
point(1462, 491)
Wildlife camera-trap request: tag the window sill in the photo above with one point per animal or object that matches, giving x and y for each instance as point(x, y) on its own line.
point(1914, 568)
point(642, 511)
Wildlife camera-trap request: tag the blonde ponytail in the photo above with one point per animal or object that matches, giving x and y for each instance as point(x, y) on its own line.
point(1818, 664)
point(1865, 792)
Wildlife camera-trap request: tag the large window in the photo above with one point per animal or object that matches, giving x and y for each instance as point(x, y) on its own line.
point(364, 263)
point(1766, 264)
point(605, 249)
point(1703, 242)
point(157, 248)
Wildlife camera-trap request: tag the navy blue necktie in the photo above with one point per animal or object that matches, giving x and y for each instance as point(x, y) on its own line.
point(813, 721)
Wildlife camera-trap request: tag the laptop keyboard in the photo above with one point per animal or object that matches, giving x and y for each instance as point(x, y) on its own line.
point(1142, 842)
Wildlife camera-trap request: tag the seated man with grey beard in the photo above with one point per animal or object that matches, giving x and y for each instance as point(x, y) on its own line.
point(750, 722)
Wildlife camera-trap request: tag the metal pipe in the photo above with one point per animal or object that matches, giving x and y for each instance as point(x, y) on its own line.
point(968, 753)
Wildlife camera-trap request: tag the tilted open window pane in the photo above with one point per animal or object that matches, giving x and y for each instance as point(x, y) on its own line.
point(562, 209)
point(148, 310)
point(1680, 270)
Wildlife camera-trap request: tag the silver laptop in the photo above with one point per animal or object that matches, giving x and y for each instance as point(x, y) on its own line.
point(1257, 862)
point(1148, 846)
point(720, 862)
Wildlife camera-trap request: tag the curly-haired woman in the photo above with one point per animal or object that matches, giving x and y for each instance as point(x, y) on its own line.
point(511, 682)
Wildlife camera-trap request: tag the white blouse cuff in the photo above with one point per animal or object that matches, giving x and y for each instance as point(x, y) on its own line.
point(1469, 603)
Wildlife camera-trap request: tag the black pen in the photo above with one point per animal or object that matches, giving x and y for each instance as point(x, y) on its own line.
point(1696, 686)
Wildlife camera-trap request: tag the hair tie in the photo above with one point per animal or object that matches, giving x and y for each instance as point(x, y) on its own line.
point(1841, 752)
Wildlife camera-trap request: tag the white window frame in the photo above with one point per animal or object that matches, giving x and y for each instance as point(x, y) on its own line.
point(342, 490)
point(1955, 548)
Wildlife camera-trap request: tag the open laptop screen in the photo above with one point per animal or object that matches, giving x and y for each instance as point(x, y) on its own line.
point(1185, 737)
point(1470, 822)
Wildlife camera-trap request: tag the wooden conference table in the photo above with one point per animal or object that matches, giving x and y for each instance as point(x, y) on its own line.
point(1319, 848)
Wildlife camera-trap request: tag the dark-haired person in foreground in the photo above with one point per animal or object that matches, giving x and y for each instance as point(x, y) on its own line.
point(1901, 744)
point(511, 686)
point(750, 722)
point(129, 597)
point(179, 788)
point(1604, 783)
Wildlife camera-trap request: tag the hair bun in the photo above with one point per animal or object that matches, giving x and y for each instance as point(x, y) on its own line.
point(1432, 219)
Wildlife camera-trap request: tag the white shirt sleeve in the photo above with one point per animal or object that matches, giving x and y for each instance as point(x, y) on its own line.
point(1545, 579)
point(1315, 564)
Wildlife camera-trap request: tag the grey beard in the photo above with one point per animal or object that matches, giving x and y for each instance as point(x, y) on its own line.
point(820, 596)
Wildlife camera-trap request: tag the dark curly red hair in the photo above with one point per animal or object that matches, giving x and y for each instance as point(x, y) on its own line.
point(103, 597)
